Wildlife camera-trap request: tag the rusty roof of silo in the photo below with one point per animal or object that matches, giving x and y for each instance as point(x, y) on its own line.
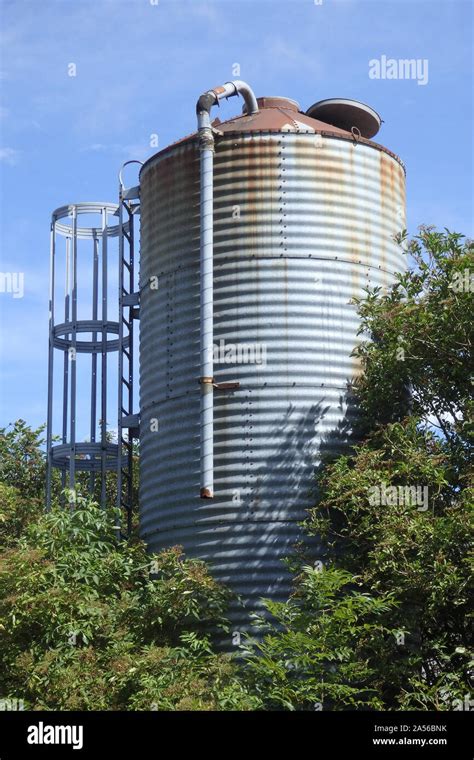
point(279, 114)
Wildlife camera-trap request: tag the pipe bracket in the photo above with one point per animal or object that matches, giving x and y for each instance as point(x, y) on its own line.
point(206, 139)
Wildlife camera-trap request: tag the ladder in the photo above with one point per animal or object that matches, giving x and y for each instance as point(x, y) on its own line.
point(129, 311)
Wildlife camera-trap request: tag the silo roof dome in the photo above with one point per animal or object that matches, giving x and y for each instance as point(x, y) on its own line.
point(275, 101)
point(280, 114)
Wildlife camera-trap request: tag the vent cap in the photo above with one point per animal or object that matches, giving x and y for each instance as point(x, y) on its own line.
point(345, 114)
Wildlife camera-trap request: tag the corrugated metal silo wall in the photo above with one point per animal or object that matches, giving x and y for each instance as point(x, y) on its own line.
point(317, 220)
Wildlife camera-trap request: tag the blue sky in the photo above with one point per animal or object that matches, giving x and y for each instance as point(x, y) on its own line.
point(139, 70)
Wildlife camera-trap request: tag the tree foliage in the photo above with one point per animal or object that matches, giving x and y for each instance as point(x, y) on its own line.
point(322, 653)
point(407, 556)
point(421, 335)
point(418, 553)
point(89, 624)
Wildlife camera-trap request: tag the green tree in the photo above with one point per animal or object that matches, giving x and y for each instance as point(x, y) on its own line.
point(323, 647)
point(22, 461)
point(86, 623)
point(90, 623)
point(414, 549)
point(394, 512)
point(419, 357)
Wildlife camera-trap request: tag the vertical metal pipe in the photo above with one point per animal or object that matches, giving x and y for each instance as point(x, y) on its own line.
point(131, 289)
point(49, 428)
point(206, 147)
point(120, 354)
point(206, 320)
point(73, 368)
point(103, 432)
point(66, 356)
point(95, 294)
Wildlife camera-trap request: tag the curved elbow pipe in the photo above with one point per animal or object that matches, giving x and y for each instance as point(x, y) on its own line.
point(206, 146)
point(227, 90)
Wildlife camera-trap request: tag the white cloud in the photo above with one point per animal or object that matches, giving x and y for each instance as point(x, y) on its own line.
point(9, 156)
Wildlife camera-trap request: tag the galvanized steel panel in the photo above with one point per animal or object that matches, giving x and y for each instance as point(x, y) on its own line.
point(302, 225)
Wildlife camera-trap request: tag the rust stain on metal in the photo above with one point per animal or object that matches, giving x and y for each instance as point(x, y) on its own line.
point(273, 116)
point(387, 177)
point(386, 197)
point(228, 386)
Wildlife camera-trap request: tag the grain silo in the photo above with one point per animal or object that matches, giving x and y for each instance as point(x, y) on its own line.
point(256, 233)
